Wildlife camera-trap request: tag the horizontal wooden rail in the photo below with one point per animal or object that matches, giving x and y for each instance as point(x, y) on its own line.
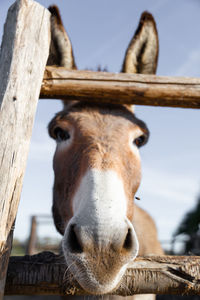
point(121, 88)
point(46, 273)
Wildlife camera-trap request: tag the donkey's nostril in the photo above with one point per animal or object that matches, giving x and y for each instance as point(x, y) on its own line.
point(128, 242)
point(73, 240)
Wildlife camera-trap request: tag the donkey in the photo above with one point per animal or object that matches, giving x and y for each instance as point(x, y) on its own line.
point(97, 171)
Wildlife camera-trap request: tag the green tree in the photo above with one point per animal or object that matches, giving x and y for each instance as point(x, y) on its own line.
point(190, 226)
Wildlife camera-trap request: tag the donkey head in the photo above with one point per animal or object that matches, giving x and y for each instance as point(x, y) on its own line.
point(97, 169)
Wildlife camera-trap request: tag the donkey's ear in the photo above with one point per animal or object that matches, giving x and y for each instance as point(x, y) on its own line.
point(61, 53)
point(142, 52)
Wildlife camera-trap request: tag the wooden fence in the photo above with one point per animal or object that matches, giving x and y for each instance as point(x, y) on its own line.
point(121, 88)
point(27, 37)
point(46, 274)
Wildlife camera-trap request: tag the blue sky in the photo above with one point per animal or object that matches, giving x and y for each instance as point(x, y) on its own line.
point(100, 32)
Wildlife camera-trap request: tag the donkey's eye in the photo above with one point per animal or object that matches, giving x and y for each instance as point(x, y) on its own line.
point(140, 141)
point(61, 135)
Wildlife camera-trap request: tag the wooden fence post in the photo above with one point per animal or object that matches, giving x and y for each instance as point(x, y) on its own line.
point(31, 245)
point(23, 56)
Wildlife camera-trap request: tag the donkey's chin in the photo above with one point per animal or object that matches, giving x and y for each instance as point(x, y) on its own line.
point(90, 282)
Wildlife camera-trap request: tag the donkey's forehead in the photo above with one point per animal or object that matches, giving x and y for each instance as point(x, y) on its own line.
point(100, 114)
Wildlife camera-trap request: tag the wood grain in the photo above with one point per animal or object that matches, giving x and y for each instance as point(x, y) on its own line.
point(47, 274)
point(121, 88)
point(26, 38)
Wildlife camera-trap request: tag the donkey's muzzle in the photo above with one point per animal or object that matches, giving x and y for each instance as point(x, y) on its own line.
point(81, 240)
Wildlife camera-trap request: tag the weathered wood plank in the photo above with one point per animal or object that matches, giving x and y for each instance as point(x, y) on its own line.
point(24, 52)
point(47, 274)
point(121, 88)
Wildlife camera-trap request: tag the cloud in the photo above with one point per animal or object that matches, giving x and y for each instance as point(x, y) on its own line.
point(191, 66)
point(169, 185)
point(167, 197)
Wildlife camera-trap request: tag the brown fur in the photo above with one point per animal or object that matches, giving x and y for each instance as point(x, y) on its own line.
point(100, 139)
point(95, 145)
point(59, 42)
point(146, 232)
point(142, 64)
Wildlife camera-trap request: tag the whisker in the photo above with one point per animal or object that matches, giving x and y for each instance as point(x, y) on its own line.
point(68, 268)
